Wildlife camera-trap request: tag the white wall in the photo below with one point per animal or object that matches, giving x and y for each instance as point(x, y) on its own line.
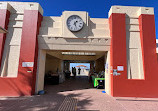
point(107, 74)
point(40, 70)
point(54, 34)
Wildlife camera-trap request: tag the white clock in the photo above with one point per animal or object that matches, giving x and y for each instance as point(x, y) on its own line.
point(75, 23)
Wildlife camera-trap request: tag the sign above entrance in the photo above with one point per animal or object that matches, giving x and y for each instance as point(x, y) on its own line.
point(27, 64)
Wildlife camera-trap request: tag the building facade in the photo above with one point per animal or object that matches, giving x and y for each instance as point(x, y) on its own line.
point(126, 41)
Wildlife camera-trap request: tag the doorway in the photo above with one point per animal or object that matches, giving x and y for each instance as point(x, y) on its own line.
point(57, 62)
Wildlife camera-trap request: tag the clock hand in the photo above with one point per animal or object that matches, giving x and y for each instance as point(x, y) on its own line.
point(75, 23)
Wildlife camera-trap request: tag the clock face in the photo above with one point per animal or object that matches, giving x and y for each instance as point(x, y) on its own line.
point(74, 23)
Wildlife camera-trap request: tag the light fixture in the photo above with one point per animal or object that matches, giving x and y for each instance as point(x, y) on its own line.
point(79, 53)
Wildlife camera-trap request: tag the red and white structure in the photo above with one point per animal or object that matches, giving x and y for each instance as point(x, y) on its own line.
point(144, 86)
point(130, 44)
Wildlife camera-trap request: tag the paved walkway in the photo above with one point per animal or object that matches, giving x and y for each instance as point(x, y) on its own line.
point(76, 94)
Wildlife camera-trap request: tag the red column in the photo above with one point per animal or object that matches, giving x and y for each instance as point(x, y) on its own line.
point(148, 44)
point(150, 60)
point(29, 49)
point(4, 20)
point(118, 48)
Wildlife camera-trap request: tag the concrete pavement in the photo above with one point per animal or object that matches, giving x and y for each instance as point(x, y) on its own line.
point(76, 94)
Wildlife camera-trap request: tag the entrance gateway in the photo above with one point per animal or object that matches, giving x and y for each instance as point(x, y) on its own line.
point(126, 40)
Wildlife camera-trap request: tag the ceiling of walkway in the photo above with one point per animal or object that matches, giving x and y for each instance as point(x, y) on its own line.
point(76, 55)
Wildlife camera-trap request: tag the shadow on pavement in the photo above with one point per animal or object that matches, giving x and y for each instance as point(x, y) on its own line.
point(53, 99)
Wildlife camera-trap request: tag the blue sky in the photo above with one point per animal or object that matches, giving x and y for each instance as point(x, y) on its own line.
point(96, 8)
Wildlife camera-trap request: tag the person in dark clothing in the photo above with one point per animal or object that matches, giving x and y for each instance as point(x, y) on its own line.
point(74, 71)
point(79, 70)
